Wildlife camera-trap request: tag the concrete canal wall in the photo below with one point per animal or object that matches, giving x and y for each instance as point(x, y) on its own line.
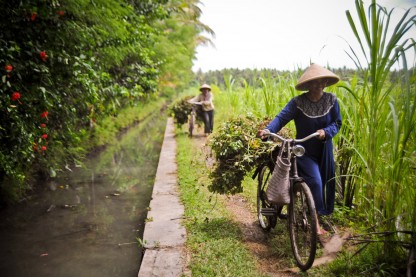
point(164, 236)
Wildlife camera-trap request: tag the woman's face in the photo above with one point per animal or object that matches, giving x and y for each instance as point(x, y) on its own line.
point(317, 85)
point(205, 90)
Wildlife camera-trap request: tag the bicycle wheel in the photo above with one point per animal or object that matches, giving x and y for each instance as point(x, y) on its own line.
point(266, 213)
point(191, 124)
point(302, 225)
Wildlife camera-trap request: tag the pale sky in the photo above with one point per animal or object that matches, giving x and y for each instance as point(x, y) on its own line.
point(282, 34)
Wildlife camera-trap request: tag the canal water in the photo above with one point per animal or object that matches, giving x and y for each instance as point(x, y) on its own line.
point(90, 222)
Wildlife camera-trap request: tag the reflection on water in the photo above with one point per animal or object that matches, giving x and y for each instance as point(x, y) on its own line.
point(87, 224)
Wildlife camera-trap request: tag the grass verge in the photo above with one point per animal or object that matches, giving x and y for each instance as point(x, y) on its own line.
point(214, 241)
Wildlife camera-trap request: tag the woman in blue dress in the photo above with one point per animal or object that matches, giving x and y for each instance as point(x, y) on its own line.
point(314, 111)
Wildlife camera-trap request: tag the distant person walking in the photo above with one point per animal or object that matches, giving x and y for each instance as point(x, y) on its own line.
point(207, 105)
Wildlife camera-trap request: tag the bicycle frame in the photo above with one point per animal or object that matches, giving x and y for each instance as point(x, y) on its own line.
point(294, 151)
point(301, 210)
point(193, 116)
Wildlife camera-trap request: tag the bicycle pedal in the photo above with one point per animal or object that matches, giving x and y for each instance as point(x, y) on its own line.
point(268, 211)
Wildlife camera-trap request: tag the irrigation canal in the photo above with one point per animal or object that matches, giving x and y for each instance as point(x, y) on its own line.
point(87, 223)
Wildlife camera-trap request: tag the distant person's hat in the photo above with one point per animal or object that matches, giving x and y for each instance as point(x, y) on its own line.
point(315, 72)
point(204, 86)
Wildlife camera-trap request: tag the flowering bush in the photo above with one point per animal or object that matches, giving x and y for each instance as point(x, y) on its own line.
point(44, 114)
point(33, 16)
point(15, 96)
point(43, 56)
point(67, 64)
point(38, 87)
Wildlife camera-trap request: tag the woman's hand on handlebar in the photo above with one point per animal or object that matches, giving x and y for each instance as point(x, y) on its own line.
point(263, 134)
point(321, 134)
point(194, 102)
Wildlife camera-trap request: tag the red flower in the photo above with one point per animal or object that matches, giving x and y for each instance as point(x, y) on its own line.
point(43, 148)
point(8, 68)
point(15, 96)
point(33, 17)
point(60, 13)
point(44, 136)
point(43, 56)
point(44, 114)
point(43, 125)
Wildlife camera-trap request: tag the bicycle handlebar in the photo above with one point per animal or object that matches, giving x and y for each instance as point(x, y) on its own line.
point(280, 138)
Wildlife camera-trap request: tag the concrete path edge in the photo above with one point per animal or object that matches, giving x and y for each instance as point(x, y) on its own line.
point(164, 235)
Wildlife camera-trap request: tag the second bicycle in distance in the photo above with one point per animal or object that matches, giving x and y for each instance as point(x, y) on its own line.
point(194, 116)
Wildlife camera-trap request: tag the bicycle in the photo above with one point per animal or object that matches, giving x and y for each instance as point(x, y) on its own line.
point(193, 116)
point(301, 209)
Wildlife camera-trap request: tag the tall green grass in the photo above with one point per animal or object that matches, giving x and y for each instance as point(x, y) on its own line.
point(383, 130)
point(265, 98)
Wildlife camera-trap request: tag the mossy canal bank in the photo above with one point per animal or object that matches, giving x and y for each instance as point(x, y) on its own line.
point(88, 222)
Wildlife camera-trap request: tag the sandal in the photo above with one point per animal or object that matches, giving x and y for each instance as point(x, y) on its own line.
point(324, 238)
point(326, 224)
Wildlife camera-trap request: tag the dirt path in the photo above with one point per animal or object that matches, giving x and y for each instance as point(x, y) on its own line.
point(256, 240)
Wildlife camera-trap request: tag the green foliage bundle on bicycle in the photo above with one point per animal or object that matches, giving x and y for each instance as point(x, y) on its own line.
point(181, 109)
point(237, 152)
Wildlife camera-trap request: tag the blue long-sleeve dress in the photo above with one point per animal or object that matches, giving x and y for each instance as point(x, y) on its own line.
point(317, 166)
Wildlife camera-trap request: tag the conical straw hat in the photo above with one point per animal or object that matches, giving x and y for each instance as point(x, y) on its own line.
point(314, 72)
point(204, 86)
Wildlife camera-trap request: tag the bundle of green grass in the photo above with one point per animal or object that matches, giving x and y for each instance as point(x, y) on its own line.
point(180, 110)
point(238, 151)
